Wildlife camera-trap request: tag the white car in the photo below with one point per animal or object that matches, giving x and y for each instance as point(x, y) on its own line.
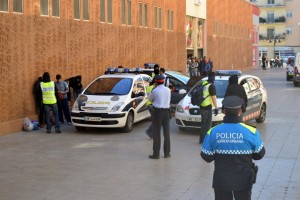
point(112, 101)
point(188, 116)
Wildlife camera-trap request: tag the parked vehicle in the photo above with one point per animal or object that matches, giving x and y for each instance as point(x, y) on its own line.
point(289, 63)
point(112, 101)
point(296, 78)
point(188, 116)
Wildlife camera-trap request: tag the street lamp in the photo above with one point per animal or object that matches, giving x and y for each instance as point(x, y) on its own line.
point(276, 40)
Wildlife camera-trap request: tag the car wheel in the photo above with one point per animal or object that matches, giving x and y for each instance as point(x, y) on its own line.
point(129, 123)
point(263, 114)
point(80, 128)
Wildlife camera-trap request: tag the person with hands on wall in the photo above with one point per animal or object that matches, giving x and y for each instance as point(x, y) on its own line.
point(206, 106)
point(232, 146)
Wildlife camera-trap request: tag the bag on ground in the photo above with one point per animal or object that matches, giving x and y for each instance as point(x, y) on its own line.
point(27, 124)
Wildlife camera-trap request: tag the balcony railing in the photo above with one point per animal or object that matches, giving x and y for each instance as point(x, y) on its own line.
point(270, 37)
point(280, 19)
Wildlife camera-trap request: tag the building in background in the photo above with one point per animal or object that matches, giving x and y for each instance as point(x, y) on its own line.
point(255, 37)
point(279, 34)
point(229, 29)
point(81, 37)
point(195, 27)
point(293, 25)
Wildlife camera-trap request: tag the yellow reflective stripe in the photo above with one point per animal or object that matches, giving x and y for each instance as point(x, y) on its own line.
point(208, 133)
point(250, 128)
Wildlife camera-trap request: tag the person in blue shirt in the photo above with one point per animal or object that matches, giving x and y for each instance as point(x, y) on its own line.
point(233, 146)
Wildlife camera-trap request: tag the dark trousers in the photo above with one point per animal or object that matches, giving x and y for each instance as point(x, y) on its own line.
point(238, 195)
point(48, 108)
point(63, 110)
point(206, 118)
point(149, 130)
point(41, 114)
point(161, 118)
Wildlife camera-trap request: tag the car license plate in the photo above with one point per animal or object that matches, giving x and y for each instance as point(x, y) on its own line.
point(87, 118)
point(193, 119)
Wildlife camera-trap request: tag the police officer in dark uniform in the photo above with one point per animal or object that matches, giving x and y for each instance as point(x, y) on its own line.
point(235, 89)
point(160, 98)
point(233, 145)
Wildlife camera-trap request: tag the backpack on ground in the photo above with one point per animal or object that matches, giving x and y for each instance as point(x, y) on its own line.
point(197, 96)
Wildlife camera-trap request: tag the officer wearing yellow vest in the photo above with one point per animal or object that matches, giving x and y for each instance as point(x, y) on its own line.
point(49, 100)
point(150, 108)
point(206, 106)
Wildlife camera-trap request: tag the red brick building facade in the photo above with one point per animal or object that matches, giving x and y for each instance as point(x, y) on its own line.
point(31, 43)
point(229, 26)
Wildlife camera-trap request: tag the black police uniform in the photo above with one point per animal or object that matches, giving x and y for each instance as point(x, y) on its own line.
point(233, 145)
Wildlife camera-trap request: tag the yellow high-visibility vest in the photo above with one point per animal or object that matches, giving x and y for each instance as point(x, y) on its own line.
point(208, 101)
point(48, 90)
point(148, 91)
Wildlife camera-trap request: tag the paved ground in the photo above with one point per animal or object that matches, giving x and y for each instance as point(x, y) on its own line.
point(109, 165)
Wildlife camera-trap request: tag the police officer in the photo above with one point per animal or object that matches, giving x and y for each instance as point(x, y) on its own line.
point(160, 98)
point(206, 106)
point(49, 100)
point(233, 145)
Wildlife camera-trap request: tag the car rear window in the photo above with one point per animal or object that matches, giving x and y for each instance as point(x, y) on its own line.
point(109, 86)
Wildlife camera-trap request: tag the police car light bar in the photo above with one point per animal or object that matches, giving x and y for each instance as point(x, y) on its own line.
point(137, 70)
point(228, 72)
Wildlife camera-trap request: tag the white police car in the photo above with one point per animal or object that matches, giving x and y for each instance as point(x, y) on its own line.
point(188, 116)
point(113, 100)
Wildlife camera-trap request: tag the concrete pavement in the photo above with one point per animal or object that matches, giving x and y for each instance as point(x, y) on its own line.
point(104, 164)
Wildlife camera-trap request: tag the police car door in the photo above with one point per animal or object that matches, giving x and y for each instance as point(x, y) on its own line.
point(139, 94)
point(254, 94)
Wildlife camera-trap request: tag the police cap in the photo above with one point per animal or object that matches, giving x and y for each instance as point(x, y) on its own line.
point(232, 102)
point(159, 78)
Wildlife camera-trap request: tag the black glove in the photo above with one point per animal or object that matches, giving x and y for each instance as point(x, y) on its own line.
point(216, 112)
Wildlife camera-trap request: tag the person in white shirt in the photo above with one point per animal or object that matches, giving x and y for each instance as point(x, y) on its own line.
point(160, 98)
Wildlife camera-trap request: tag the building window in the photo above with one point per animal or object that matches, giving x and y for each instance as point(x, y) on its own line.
point(44, 7)
point(289, 30)
point(270, 18)
point(76, 9)
point(102, 11)
point(271, 2)
point(155, 17)
point(270, 33)
point(140, 14)
point(289, 14)
point(85, 9)
point(18, 6)
point(129, 12)
point(55, 8)
point(145, 15)
point(123, 7)
point(109, 11)
point(4, 5)
point(159, 18)
point(170, 19)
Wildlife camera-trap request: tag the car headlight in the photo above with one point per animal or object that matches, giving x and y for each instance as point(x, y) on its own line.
point(75, 106)
point(179, 109)
point(117, 107)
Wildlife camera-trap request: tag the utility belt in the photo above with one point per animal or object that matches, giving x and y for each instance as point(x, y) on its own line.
point(155, 108)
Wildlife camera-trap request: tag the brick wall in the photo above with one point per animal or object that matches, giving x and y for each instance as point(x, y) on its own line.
point(31, 44)
point(229, 24)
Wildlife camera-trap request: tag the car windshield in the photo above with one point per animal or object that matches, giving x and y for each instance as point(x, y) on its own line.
point(221, 86)
point(109, 86)
point(181, 77)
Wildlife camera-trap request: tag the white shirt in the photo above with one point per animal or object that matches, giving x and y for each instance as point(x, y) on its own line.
point(161, 97)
